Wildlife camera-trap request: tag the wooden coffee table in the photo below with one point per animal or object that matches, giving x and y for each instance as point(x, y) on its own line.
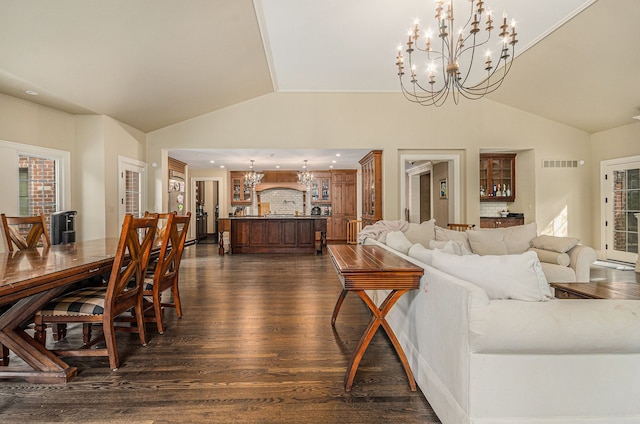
point(363, 268)
point(602, 290)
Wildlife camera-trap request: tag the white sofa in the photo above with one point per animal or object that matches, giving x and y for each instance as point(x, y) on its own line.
point(481, 359)
point(563, 259)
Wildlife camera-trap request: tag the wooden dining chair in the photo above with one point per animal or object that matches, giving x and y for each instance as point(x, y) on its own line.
point(25, 232)
point(101, 305)
point(165, 273)
point(460, 227)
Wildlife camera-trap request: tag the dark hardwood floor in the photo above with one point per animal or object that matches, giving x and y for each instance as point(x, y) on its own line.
point(255, 345)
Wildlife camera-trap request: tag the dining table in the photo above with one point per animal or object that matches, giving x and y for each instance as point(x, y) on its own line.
point(29, 279)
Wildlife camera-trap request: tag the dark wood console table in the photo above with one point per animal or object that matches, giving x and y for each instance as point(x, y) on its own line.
point(363, 268)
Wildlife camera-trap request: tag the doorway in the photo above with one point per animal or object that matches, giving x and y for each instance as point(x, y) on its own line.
point(419, 200)
point(205, 207)
point(621, 191)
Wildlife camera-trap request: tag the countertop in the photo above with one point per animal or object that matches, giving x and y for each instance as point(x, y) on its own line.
point(276, 216)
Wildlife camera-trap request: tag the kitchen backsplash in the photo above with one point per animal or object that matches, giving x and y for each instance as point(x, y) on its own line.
point(490, 209)
point(284, 201)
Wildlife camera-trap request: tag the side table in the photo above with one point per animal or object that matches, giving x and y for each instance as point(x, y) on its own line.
point(363, 268)
point(600, 290)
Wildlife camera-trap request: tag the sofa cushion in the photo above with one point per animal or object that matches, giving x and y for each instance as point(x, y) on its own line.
point(421, 233)
point(502, 241)
point(444, 234)
point(552, 257)
point(398, 241)
point(454, 247)
point(518, 238)
point(558, 273)
point(419, 252)
point(556, 244)
point(487, 242)
point(502, 276)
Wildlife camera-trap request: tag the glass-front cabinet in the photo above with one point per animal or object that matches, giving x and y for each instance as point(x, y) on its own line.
point(497, 177)
point(240, 195)
point(321, 187)
point(371, 187)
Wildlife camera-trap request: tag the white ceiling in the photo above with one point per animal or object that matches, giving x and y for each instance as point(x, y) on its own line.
point(153, 63)
point(289, 159)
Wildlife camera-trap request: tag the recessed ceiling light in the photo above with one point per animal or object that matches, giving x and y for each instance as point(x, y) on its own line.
point(333, 161)
point(31, 92)
point(221, 166)
point(212, 161)
point(277, 166)
point(338, 154)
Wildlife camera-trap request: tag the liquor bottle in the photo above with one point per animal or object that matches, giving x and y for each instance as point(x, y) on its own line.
point(508, 191)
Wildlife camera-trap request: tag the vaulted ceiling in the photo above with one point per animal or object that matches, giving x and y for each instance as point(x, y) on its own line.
point(153, 63)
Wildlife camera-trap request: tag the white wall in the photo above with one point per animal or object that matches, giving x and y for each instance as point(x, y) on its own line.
point(88, 176)
point(119, 140)
point(94, 143)
point(388, 122)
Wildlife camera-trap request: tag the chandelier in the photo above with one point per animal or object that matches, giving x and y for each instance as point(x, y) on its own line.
point(252, 178)
point(450, 64)
point(304, 176)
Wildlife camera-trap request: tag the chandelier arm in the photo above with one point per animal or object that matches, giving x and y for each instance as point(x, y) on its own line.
point(487, 86)
point(430, 98)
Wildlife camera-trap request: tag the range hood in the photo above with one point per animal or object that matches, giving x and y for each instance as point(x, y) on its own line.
point(281, 185)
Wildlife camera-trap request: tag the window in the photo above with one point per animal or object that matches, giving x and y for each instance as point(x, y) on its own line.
point(38, 186)
point(626, 204)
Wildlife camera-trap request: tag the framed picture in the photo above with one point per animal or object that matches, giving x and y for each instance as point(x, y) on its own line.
point(444, 192)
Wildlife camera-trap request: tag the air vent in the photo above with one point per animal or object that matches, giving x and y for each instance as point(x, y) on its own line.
point(561, 163)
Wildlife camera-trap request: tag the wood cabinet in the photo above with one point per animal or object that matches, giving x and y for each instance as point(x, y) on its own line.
point(240, 195)
point(343, 203)
point(500, 222)
point(200, 193)
point(371, 187)
point(321, 188)
point(275, 235)
point(497, 177)
point(201, 226)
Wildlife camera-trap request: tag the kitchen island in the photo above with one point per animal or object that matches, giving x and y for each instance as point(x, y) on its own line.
point(275, 233)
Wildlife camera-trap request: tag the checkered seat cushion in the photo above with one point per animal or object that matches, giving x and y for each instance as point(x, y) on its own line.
point(148, 284)
point(87, 301)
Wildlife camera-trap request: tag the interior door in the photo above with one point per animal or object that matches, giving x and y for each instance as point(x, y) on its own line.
point(622, 203)
point(131, 188)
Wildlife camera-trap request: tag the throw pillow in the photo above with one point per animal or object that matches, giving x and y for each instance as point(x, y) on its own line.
point(419, 252)
point(487, 242)
point(398, 241)
point(450, 246)
point(461, 236)
point(517, 277)
point(556, 244)
point(552, 257)
point(421, 233)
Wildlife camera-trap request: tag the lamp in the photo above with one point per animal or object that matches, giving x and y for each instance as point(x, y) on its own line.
point(252, 178)
point(453, 68)
point(304, 176)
